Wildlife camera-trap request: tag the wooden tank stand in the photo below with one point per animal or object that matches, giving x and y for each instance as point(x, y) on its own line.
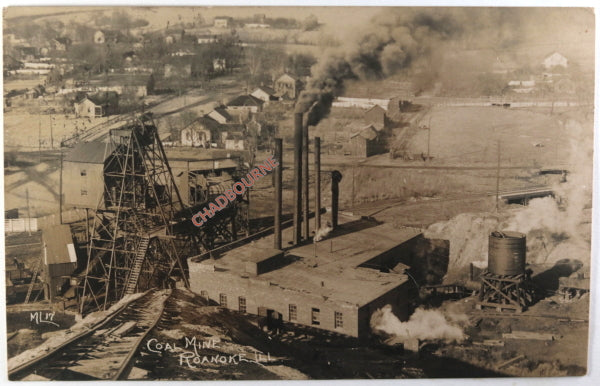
point(505, 292)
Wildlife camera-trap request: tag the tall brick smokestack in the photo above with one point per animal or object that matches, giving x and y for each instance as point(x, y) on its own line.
point(305, 178)
point(317, 183)
point(297, 176)
point(278, 193)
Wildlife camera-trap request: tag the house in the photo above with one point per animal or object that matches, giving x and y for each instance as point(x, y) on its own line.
point(98, 105)
point(377, 117)
point(246, 103)
point(555, 59)
point(99, 37)
point(235, 141)
point(366, 143)
point(220, 115)
point(222, 21)
point(265, 94)
point(61, 44)
point(287, 86)
point(199, 133)
point(60, 259)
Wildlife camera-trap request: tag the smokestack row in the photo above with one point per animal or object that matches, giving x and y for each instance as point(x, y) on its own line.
point(301, 190)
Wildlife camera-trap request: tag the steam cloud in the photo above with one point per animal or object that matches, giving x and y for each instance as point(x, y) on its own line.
point(423, 324)
point(401, 39)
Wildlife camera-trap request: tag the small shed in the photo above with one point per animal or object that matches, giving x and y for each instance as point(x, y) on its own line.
point(366, 142)
point(60, 258)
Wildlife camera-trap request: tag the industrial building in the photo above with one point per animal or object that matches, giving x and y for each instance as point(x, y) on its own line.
point(333, 285)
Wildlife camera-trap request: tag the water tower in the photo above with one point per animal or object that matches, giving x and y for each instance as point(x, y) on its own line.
point(506, 284)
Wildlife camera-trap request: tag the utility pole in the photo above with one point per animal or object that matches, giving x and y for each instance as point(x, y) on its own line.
point(28, 212)
point(60, 192)
point(498, 178)
point(40, 139)
point(51, 132)
point(428, 136)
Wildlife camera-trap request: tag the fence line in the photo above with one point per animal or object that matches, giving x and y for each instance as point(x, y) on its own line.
point(34, 224)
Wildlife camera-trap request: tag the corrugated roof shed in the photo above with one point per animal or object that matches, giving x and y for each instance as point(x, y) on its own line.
point(58, 241)
point(94, 152)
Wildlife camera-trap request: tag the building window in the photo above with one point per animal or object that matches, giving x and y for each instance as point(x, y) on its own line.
point(293, 312)
point(223, 300)
point(315, 316)
point(242, 304)
point(83, 192)
point(83, 173)
point(204, 294)
point(338, 319)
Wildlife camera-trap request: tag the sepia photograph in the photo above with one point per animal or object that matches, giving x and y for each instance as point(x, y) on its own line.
point(297, 192)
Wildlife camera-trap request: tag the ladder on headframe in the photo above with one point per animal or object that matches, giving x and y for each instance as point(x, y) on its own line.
point(33, 278)
point(136, 268)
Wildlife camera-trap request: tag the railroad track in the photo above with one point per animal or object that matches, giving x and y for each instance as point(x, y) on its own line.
point(105, 351)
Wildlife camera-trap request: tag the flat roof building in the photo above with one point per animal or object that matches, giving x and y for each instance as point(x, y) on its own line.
point(333, 285)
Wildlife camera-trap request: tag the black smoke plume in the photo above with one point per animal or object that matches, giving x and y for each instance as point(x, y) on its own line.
point(399, 39)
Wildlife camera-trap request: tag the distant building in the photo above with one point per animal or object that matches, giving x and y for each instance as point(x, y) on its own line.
point(98, 105)
point(366, 143)
point(219, 64)
point(222, 22)
point(26, 53)
point(220, 115)
point(377, 117)
point(265, 94)
point(99, 37)
point(555, 59)
point(206, 39)
point(287, 86)
point(257, 25)
point(247, 103)
point(199, 133)
point(522, 86)
point(61, 44)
